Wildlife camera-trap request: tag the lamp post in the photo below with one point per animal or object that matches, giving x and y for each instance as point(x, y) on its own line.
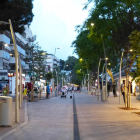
point(104, 97)
point(120, 76)
point(53, 67)
point(88, 81)
point(125, 82)
point(57, 80)
point(105, 72)
point(62, 73)
point(16, 69)
point(98, 74)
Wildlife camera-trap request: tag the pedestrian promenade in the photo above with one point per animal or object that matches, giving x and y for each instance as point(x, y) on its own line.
point(81, 118)
point(104, 120)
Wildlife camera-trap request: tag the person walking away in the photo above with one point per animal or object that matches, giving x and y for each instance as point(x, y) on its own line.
point(29, 88)
point(114, 89)
point(108, 88)
point(25, 93)
point(48, 90)
point(123, 90)
point(78, 88)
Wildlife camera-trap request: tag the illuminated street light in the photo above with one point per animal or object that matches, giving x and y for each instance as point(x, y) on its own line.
point(92, 24)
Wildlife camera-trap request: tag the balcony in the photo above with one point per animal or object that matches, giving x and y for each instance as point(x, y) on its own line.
point(20, 50)
point(4, 54)
point(12, 61)
point(4, 39)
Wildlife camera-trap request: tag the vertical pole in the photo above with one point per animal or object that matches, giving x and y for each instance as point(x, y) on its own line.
point(129, 97)
point(32, 92)
point(16, 68)
point(84, 84)
point(57, 82)
point(98, 78)
point(62, 79)
point(88, 83)
point(120, 77)
point(120, 84)
point(125, 94)
point(127, 86)
point(105, 71)
point(102, 84)
point(57, 86)
point(20, 93)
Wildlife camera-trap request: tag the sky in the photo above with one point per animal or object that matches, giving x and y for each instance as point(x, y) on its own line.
point(54, 24)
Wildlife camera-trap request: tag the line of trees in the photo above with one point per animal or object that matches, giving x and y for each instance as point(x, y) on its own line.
point(116, 24)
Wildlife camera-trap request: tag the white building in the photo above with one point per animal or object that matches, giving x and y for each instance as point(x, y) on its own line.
point(51, 62)
point(7, 57)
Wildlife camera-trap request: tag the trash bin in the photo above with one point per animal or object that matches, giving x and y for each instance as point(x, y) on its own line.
point(6, 111)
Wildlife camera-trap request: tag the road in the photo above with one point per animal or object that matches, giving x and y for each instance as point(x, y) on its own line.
point(80, 118)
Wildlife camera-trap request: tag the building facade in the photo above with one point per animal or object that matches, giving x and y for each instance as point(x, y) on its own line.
point(7, 57)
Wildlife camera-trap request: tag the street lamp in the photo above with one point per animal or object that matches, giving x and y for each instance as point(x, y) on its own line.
point(53, 67)
point(98, 74)
point(120, 78)
point(16, 69)
point(85, 81)
point(105, 93)
point(62, 73)
point(57, 81)
point(92, 24)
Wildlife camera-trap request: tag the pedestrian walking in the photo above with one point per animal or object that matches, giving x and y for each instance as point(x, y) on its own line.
point(25, 93)
point(108, 88)
point(114, 89)
point(123, 90)
point(47, 91)
point(29, 88)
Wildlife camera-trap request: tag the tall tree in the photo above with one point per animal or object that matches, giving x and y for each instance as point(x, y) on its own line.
point(62, 63)
point(19, 11)
point(135, 46)
point(71, 60)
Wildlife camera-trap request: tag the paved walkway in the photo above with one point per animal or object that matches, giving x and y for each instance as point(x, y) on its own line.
point(81, 118)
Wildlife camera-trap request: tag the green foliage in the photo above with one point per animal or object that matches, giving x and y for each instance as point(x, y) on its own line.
point(113, 23)
point(74, 78)
point(70, 62)
point(39, 66)
point(79, 71)
point(62, 63)
point(48, 76)
point(88, 50)
point(35, 58)
point(135, 46)
point(19, 11)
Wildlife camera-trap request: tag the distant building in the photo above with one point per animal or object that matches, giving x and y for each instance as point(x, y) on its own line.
point(51, 62)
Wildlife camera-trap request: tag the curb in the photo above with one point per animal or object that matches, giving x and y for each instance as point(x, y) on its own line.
point(18, 127)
